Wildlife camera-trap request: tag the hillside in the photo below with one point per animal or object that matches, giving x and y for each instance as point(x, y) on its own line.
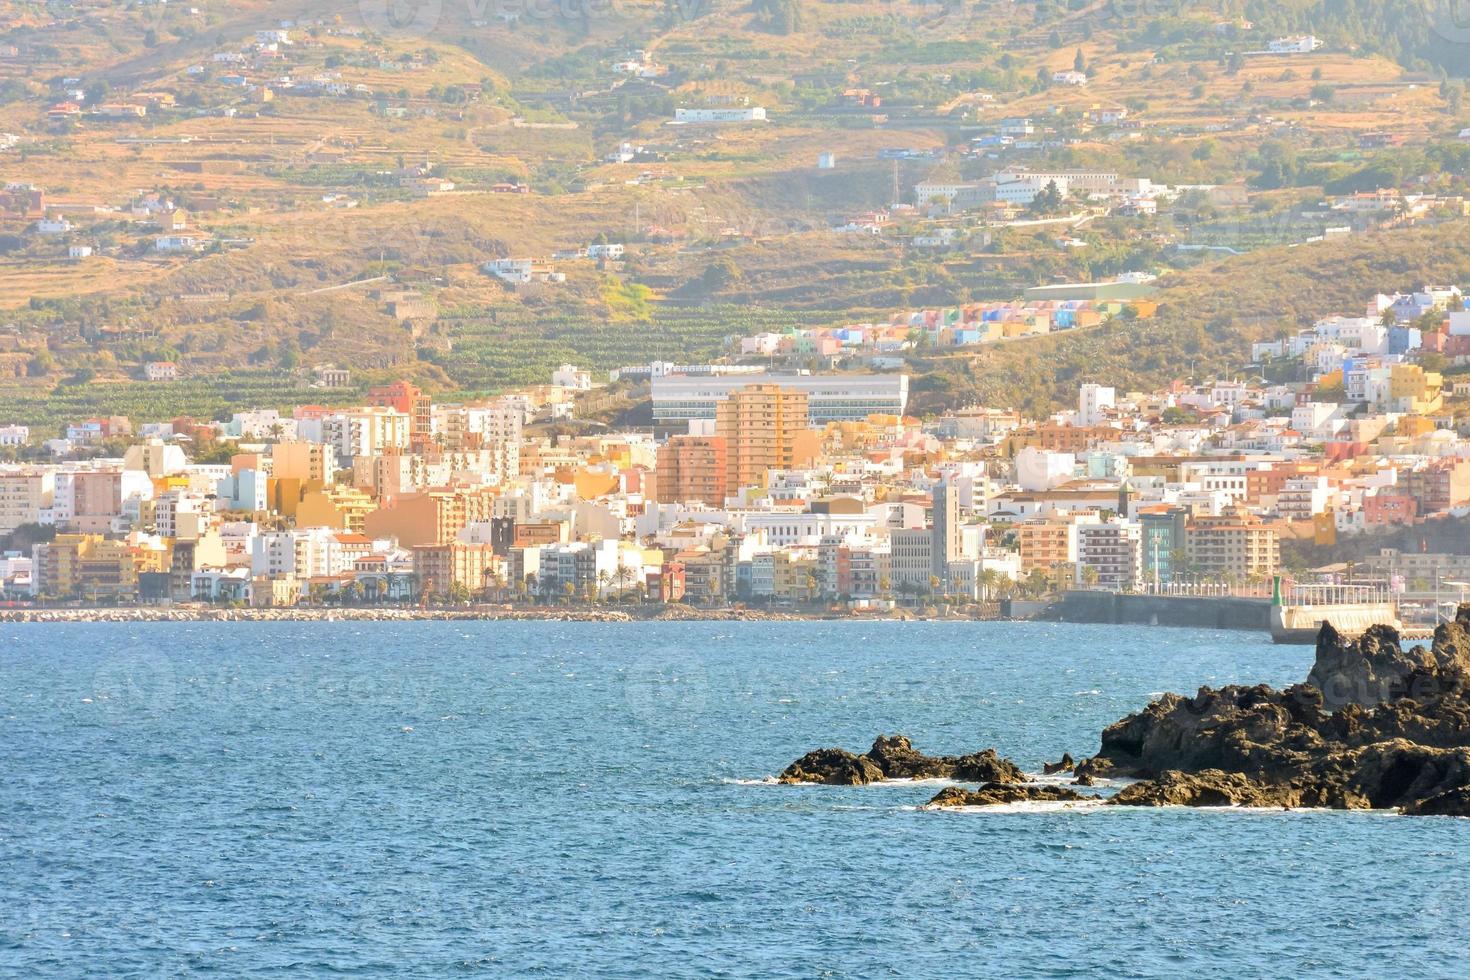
point(1207, 321)
point(332, 197)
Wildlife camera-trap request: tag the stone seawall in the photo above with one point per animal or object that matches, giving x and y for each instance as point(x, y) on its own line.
point(1208, 612)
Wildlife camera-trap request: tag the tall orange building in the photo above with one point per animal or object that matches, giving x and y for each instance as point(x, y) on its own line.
point(692, 468)
point(760, 425)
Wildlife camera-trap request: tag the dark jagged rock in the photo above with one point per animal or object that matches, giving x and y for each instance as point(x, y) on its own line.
point(1084, 780)
point(1208, 788)
point(1455, 803)
point(1373, 726)
point(898, 759)
point(1375, 669)
point(997, 794)
point(894, 757)
point(986, 767)
point(834, 767)
point(1065, 765)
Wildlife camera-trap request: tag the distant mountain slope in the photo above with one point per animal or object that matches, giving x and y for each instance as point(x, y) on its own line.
point(1206, 323)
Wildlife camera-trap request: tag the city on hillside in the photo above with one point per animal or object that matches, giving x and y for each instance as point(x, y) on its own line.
point(777, 487)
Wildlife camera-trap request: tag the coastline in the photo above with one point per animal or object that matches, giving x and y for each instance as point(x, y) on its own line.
point(208, 614)
point(486, 613)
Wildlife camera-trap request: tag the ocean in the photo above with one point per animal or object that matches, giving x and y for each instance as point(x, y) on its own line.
point(576, 799)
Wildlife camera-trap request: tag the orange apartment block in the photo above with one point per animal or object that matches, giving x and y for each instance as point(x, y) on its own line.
point(1046, 544)
point(760, 425)
point(431, 516)
point(1238, 545)
point(692, 468)
point(440, 567)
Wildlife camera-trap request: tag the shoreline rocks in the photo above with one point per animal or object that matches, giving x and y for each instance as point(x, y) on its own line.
point(999, 794)
point(894, 757)
point(1374, 726)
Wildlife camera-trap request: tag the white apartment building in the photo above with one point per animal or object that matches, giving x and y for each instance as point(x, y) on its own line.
point(303, 552)
point(1092, 402)
point(753, 113)
point(369, 431)
point(1113, 551)
point(182, 515)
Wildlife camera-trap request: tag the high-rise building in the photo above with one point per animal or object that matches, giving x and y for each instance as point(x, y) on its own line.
point(692, 468)
point(1235, 545)
point(759, 424)
point(410, 400)
point(1092, 401)
point(948, 540)
point(1110, 554)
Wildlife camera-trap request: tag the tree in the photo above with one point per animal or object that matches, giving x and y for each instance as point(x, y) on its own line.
point(1048, 199)
point(720, 273)
point(1079, 63)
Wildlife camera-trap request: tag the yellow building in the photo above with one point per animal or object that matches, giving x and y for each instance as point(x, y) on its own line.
point(345, 508)
point(86, 566)
point(794, 579)
point(274, 591)
point(1414, 390)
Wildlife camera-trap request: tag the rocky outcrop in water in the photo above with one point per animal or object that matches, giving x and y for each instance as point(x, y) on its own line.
point(1374, 726)
point(1208, 788)
point(1376, 670)
point(894, 757)
point(832, 767)
point(997, 794)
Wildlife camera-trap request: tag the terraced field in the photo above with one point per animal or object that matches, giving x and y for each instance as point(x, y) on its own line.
point(204, 398)
point(490, 354)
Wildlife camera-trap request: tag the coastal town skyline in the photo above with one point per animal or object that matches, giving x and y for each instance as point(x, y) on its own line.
point(734, 488)
point(763, 485)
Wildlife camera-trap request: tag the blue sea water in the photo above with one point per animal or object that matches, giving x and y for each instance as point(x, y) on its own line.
point(559, 799)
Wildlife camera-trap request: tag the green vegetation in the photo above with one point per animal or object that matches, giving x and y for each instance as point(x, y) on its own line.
point(204, 398)
point(491, 353)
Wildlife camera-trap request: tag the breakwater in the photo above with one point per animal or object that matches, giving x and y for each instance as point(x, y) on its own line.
point(1117, 608)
